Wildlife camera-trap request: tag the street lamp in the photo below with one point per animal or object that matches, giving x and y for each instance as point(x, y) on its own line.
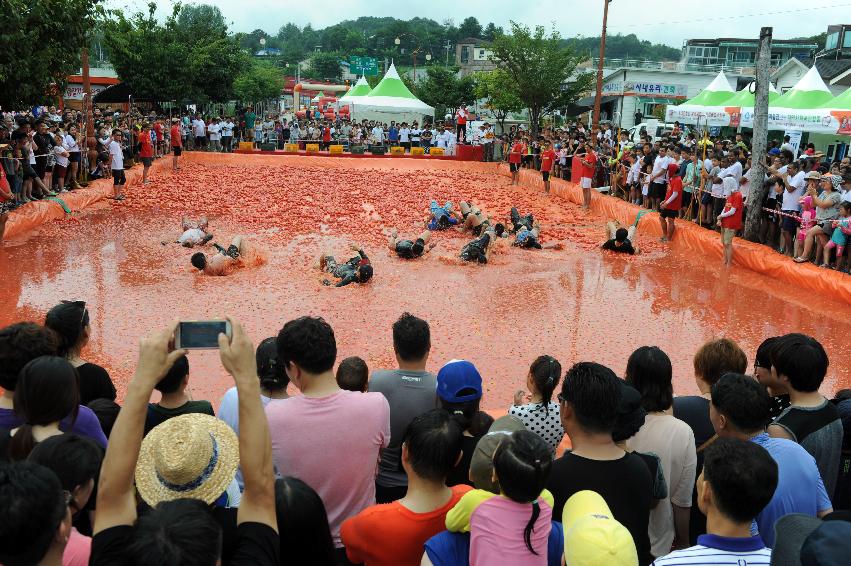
point(599, 91)
point(262, 43)
point(398, 41)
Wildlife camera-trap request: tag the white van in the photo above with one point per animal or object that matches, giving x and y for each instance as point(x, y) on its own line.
point(654, 129)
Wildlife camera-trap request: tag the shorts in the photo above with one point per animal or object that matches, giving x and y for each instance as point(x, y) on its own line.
point(74, 156)
point(177, 150)
point(686, 200)
point(772, 204)
point(706, 198)
point(118, 177)
point(59, 170)
point(658, 190)
point(827, 228)
point(790, 224)
point(727, 236)
point(147, 161)
point(406, 249)
point(477, 230)
point(514, 167)
point(29, 172)
point(545, 175)
point(586, 182)
point(669, 213)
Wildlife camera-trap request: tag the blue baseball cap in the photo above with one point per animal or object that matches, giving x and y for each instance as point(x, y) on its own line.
point(455, 377)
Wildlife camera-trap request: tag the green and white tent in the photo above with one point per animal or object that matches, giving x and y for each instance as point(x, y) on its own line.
point(709, 108)
point(716, 94)
point(745, 98)
point(809, 93)
point(360, 89)
point(390, 100)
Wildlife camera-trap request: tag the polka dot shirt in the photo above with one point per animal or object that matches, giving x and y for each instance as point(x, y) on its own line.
point(545, 424)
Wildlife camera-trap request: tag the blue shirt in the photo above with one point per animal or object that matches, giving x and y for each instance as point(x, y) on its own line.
point(800, 488)
point(714, 549)
point(393, 134)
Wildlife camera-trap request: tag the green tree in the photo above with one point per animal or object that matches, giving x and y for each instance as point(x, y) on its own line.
point(442, 88)
point(201, 21)
point(251, 41)
point(491, 31)
point(41, 44)
point(324, 66)
point(260, 81)
point(470, 27)
point(497, 89)
point(538, 66)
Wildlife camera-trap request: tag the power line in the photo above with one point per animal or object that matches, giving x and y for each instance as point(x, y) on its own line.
point(737, 17)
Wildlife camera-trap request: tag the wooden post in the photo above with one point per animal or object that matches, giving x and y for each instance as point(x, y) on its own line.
point(599, 91)
point(91, 142)
point(760, 136)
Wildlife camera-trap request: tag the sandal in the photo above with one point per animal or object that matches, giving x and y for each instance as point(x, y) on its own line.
point(800, 260)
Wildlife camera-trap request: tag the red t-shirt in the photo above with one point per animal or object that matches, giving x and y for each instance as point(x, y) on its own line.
point(326, 134)
point(675, 184)
point(547, 159)
point(392, 534)
point(461, 116)
point(158, 129)
point(5, 189)
point(147, 148)
point(176, 139)
point(589, 170)
point(516, 153)
point(733, 222)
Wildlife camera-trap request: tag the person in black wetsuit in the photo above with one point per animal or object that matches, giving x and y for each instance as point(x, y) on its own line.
point(479, 249)
point(529, 239)
point(619, 239)
point(407, 249)
point(357, 270)
point(520, 222)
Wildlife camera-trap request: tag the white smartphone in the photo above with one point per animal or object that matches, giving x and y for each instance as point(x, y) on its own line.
point(200, 334)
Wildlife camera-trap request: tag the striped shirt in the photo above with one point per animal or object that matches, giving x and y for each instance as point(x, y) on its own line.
point(714, 549)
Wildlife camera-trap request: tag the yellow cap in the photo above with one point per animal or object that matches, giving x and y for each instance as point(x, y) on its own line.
point(592, 536)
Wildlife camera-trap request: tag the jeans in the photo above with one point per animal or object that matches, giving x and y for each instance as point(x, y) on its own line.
point(215, 145)
point(226, 143)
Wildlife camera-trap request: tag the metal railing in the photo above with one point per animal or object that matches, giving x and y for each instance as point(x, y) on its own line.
point(611, 63)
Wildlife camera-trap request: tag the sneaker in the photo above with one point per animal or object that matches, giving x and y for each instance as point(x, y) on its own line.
point(233, 251)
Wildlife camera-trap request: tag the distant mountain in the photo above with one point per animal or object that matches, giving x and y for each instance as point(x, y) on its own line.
point(626, 47)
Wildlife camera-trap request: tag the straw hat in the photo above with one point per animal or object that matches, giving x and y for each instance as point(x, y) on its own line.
point(192, 456)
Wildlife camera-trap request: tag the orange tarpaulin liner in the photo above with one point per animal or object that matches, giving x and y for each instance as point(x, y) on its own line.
point(705, 243)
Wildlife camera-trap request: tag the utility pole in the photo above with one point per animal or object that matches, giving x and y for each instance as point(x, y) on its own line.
point(599, 91)
point(760, 135)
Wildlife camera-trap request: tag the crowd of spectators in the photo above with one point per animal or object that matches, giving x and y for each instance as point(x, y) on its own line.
point(307, 465)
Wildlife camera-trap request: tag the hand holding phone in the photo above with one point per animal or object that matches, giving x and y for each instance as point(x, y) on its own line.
point(200, 334)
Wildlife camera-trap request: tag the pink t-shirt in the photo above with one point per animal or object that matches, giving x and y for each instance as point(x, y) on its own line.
point(332, 444)
point(496, 533)
point(77, 550)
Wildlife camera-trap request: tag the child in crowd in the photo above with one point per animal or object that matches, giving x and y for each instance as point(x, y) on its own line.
point(541, 414)
point(839, 237)
point(808, 220)
point(353, 374)
point(514, 526)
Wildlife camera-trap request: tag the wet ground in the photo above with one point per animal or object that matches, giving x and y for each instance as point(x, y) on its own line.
point(575, 303)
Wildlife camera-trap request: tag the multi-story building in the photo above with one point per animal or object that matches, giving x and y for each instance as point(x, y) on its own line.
point(473, 55)
point(718, 54)
point(837, 44)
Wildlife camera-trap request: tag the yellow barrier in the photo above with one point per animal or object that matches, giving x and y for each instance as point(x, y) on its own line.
point(397, 150)
point(436, 151)
point(311, 147)
point(291, 147)
point(335, 149)
point(246, 145)
point(417, 151)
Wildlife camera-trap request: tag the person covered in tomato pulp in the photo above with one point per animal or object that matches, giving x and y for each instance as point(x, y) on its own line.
point(441, 217)
point(357, 270)
point(240, 253)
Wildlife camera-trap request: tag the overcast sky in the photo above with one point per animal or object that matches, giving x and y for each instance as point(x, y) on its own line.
point(663, 21)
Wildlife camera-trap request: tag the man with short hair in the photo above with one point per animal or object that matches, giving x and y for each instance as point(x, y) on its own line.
point(173, 400)
point(730, 221)
point(794, 185)
point(199, 130)
point(737, 482)
point(337, 453)
point(800, 362)
point(659, 178)
point(35, 519)
point(176, 143)
point(116, 164)
point(589, 400)
point(392, 534)
point(410, 391)
point(588, 158)
point(740, 408)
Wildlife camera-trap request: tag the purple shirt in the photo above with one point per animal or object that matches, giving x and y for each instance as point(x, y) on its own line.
point(87, 424)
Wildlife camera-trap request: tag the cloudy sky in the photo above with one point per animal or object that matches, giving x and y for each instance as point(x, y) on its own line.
point(655, 20)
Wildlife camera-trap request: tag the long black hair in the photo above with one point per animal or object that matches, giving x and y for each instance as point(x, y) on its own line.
point(468, 415)
point(522, 463)
point(546, 373)
point(69, 320)
point(303, 524)
point(47, 392)
point(269, 369)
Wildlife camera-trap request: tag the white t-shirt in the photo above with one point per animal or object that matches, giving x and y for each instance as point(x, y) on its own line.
point(117, 154)
point(199, 128)
point(661, 164)
point(70, 143)
point(672, 440)
point(227, 129)
point(734, 170)
point(790, 199)
point(405, 135)
point(229, 413)
point(214, 129)
point(378, 134)
point(193, 236)
point(61, 160)
point(415, 134)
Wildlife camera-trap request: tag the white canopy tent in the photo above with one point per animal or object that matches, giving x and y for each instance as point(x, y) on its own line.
point(390, 101)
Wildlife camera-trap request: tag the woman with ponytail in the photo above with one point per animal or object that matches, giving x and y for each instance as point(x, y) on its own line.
point(46, 393)
point(70, 321)
point(514, 526)
point(540, 414)
point(459, 391)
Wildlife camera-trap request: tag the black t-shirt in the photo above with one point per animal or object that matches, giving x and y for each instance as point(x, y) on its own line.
point(95, 383)
point(625, 484)
point(695, 412)
point(257, 544)
point(625, 247)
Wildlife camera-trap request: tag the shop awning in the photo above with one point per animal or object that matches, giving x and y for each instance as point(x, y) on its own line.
point(588, 101)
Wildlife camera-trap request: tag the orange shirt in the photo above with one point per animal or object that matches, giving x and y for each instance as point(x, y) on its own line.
point(147, 149)
point(547, 159)
point(591, 159)
point(393, 535)
point(176, 140)
point(516, 153)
